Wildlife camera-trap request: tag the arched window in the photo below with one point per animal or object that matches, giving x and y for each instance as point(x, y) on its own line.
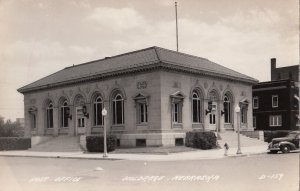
point(98, 106)
point(50, 115)
point(64, 114)
point(118, 109)
point(227, 109)
point(196, 107)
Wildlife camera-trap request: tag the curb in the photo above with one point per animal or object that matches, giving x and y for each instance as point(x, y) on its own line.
point(61, 157)
point(114, 159)
point(247, 154)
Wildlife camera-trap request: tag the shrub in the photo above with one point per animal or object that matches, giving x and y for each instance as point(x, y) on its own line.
point(201, 140)
point(269, 135)
point(14, 143)
point(96, 143)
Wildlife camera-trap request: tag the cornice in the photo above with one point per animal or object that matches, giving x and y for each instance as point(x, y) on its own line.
point(143, 68)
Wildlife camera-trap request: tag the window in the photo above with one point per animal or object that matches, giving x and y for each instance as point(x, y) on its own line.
point(143, 113)
point(196, 107)
point(80, 122)
point(176, 108)
point(140, 142)
point(275, 120)
point(290, 75)
point(65, 112)
point(212, 119)
point(141, 102)
point(244, 115)
point(254, 122)
point(33, 121)
point(118, 110)
point(98, 106)
point(227, 109)
point(50, 115)
point(274, 101)
point(255, 103)
point(179, 142)
point(176, 112)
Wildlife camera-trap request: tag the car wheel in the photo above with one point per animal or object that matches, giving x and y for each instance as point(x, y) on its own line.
point(285, 149)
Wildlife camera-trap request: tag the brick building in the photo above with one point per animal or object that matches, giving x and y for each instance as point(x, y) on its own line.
point(153, 96)
point(276, 103)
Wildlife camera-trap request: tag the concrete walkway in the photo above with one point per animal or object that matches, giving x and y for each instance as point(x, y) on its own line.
point(190, 155)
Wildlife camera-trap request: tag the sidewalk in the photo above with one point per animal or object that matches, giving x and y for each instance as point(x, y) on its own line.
point(190, 155)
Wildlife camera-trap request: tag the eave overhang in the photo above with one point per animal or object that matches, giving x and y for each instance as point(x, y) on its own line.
point(141, 68)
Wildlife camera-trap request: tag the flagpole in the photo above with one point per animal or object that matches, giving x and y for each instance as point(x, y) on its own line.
point(176, 26)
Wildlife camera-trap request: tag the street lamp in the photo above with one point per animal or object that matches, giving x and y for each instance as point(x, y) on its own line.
point(104, 113)
point(238, 110)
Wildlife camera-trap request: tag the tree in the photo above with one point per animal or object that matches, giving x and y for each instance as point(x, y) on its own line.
point(10, 129)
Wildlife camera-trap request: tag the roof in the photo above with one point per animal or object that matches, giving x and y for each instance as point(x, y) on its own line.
point(149, 57)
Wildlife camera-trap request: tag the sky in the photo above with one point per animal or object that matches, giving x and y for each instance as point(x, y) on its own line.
point(40, 37)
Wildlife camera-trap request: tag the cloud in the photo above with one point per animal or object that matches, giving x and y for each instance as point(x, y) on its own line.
point(35, 59)
point(116, 19)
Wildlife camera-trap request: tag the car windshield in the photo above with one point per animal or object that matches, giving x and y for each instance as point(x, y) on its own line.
point(293, 134)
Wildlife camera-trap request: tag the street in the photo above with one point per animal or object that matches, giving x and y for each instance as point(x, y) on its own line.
point(258, 172)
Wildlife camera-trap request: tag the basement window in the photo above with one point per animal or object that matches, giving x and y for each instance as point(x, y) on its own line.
point(140, 142)
point(179, 142)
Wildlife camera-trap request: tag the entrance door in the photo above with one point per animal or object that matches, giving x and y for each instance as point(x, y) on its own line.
point(213, 117)
point(212, 121)
point(80, 121)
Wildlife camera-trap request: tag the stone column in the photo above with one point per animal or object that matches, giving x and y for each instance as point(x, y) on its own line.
point(222, 117)
point(72, 122)
point(89, 120)
point(55, 121)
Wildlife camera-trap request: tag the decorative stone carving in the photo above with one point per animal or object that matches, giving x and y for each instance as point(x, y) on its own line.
point(105, 87)
point(71, 92)
point(87, 90)
point(141, 85)
point(205, 85)
point(221, 87)
point(79, 101)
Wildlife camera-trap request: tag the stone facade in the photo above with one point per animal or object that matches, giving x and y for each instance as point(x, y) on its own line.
point(161, 89)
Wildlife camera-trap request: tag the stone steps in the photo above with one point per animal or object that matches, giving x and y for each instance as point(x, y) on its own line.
point(62, 143)
point(231, 138)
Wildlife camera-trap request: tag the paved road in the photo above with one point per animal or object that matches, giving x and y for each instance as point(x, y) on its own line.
point(259, 173)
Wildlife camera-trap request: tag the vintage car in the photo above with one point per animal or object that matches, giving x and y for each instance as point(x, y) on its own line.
point(285, 144)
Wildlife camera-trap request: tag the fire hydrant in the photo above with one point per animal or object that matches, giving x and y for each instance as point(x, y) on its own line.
point(226, 148)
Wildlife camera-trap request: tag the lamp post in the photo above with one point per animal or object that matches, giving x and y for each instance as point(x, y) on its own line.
point(238, 110)
point(104, 113)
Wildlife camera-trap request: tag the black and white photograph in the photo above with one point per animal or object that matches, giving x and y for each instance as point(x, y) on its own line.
point(125, 95)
